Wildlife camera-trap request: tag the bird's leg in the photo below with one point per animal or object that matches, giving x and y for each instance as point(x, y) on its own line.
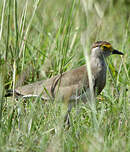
point(67, 116)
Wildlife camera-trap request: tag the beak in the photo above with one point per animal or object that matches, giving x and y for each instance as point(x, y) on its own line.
point(117, 52)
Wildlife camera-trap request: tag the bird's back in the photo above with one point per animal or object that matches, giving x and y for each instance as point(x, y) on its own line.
point(65, 84)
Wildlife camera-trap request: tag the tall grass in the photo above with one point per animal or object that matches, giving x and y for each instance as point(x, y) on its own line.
point(39, 39)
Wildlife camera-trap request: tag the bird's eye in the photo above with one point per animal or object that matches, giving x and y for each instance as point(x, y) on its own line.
point(105, 48)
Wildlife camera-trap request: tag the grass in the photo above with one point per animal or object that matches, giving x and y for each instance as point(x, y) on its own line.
point(39, 39)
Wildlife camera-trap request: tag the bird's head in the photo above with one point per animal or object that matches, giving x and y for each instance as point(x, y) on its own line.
point(103, 48)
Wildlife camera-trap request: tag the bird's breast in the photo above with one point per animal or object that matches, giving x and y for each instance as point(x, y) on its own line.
point(100, 79)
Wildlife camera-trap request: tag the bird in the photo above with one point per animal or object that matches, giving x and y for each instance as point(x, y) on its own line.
point(73, 85)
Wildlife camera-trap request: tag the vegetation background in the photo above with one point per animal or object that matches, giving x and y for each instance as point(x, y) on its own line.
point(41, 38)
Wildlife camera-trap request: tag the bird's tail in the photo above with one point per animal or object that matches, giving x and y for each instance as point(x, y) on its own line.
point(9, 93)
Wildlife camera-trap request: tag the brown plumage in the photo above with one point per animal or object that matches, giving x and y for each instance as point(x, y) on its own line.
point(74, 85)
point(65, 85)
point(71, 84)
point(100, 43)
